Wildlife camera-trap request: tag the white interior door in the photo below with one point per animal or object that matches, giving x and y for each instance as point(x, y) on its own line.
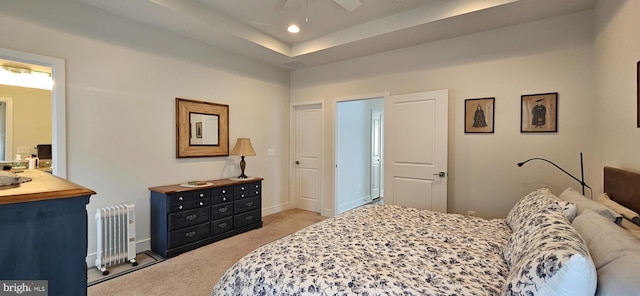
point(416, 150)
point(307, 157)
point(376, 153)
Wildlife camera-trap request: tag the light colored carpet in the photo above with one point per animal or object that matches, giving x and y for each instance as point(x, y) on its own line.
point(196, 272)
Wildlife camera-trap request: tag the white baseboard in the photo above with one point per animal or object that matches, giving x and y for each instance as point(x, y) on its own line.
point(276, 209)
point(354, 203)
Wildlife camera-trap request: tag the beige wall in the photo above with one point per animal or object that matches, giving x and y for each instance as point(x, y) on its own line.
point(122, 81)
point(553, 55)
point(617, 48)
point(31, 116)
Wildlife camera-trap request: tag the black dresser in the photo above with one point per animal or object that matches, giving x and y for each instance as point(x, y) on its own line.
point(185, 218)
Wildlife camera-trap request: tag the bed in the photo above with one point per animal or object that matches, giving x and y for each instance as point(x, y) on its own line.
point(547, 245)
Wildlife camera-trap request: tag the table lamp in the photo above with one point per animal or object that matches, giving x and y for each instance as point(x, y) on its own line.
point(243, 148)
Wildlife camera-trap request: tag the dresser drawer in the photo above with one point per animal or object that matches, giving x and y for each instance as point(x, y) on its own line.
point(247, 218)
point(222, 191)
point(183, 206)
point(247, 186)
point(221, 210)
point(222, 225)
point(247, 204)
point(189, 196)
point(218, 199)
point(187, 218)
point(188, 235)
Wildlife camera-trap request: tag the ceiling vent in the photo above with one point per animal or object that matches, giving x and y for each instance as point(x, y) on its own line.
point(295, 65)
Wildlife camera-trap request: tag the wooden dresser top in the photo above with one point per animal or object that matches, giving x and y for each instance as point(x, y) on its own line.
point(43, 186)
point(167, 189)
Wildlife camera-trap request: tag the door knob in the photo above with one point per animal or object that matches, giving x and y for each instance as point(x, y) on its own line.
point(440, 174)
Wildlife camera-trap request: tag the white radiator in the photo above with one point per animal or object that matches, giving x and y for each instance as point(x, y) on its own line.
point(116, 236)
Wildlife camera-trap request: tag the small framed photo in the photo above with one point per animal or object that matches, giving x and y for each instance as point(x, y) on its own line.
point(539, 113)
point(479, 115)
point(199, 129)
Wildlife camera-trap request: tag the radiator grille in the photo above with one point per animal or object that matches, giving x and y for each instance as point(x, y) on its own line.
point(116, 236)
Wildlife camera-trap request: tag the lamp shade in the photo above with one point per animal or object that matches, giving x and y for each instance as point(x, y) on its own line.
point(243, 147)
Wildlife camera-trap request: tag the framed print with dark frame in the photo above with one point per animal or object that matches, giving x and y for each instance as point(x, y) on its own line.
point(479, 115)
point(539, 113)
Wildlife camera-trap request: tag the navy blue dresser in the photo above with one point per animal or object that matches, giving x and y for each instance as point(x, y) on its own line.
point(43, 226)
point(185, 218)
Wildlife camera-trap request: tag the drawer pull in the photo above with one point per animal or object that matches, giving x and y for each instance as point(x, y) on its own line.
point(224, 199)
point(201, 194)
point(192, 217)
point(257, 186)
point(249, 204)
point(224, 191)
point(242, 188)
point(180, 198)
point(222, 210)
point(248, 218)
point(242, 195)
point(190, 234)
point(257, 192)
point(201, 203)
point(222, 225)
point(180, 207)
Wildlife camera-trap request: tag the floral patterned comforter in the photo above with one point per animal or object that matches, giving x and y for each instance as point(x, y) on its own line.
point(378, 250)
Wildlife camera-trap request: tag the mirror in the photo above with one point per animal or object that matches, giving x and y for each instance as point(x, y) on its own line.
point(202, 129)
point(205, 129)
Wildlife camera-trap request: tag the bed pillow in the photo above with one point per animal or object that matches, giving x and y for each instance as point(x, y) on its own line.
point(569, 209)
point(540, 200)
point(605, 240)
point(615, 253)
point(630, 215)
point(551, 259)
point(584, 203)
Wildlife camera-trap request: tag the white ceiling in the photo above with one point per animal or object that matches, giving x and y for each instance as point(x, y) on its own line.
point(329, 33)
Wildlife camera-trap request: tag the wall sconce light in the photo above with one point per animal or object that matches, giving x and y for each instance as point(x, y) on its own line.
point(243, 148)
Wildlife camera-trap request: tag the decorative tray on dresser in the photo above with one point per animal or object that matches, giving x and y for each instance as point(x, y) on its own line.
point(185, 218)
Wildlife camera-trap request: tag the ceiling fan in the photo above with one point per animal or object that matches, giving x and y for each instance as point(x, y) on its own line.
point(349, 5)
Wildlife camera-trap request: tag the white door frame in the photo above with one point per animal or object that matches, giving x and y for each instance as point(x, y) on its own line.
point(292, 153)
point(58, 103)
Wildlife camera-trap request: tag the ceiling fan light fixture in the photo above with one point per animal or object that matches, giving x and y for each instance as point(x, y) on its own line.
point(293, 29)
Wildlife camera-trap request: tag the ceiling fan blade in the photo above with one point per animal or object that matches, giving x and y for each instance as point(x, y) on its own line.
point(290, 6)
point(349, 5)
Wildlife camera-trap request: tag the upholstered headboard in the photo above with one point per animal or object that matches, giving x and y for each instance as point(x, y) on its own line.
point(623, 187)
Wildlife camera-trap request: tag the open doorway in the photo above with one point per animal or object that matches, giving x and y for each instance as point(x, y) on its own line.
point(58, 102)
point(359, 153)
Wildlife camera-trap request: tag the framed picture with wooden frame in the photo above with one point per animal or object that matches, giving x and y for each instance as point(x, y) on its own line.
point(479, 115)
point(539, 113)
point(202, 129)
